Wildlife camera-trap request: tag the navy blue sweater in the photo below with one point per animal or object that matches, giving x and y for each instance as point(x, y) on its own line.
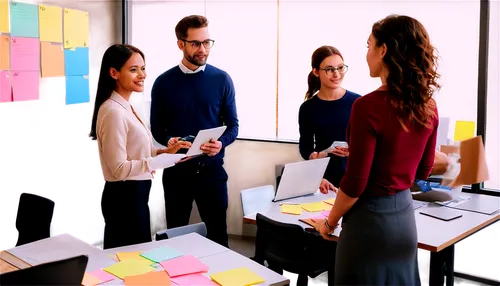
point(320, 123)
point(183, 104)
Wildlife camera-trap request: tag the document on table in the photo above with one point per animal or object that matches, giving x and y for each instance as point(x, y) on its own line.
point(203, 137)
point(163, 161)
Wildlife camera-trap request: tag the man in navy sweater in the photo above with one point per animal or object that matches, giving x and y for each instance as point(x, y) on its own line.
point(186, 99)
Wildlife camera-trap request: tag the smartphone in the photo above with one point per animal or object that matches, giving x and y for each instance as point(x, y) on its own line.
point(189, 138)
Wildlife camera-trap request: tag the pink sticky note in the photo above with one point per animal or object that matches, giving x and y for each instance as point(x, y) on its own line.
point(318, 217)
point(25, 85)
point(5, 87)
point(24, 54)
point(192, 279)
point(103, 275)
point(183, 265)
point(325, 213)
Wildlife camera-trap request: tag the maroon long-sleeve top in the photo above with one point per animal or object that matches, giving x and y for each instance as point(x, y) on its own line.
point(384, 158)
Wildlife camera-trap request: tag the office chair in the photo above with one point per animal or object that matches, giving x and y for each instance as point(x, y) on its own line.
point(256, 199)
point(288, 247)
point(199, 228)
point(34, 216)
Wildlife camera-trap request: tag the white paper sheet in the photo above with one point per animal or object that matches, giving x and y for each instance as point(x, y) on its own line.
point(163, 161)
point(335, 144)
point(203, 137)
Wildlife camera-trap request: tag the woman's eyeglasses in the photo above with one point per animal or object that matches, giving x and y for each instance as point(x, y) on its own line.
point(331, 70)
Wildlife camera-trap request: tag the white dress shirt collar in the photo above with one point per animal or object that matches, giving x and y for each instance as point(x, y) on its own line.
point(115, 96)
point(186, 70)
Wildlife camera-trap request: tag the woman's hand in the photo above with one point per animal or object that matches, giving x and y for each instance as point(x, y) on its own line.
point(176, 147)
point(324, 230)
point(340, 151)
point(325, 186)
point(317, 155)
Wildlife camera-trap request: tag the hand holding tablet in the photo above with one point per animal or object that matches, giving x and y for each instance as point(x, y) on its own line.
point(338, 148)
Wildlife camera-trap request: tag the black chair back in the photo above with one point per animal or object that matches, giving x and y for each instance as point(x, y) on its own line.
point(34, 216)
point(199, 228)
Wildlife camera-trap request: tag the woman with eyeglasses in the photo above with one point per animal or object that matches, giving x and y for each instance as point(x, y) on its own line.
point(324, 115)
point(392, 141)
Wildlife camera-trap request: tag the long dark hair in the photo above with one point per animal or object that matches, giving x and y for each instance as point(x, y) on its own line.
point(321, 53)
point(114, 57)
point(412, 64)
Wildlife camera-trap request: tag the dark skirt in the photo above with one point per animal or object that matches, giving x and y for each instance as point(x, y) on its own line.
point(378, 243)
point(125, 209)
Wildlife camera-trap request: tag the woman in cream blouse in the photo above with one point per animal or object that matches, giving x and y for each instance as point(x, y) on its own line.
point(125, 148)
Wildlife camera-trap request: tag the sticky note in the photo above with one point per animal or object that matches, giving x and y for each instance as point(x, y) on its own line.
point(161, 254)
point(238, 276)
point(291, 209)
point(325, 213)
point(313, 207)
point(90, 280)
point(318, 218)
point(51, 59)
point(183, 265)
point(4, 52)
point(151, 278)
point(193, 279)
point(24, 54)
point(23, 20)
point(330, 201)
point(102, 275)
point(133, 255)
point(77, 89)
point(51, 23)
point(25, 85)
point(129, 267)
point(5, 87)
point(76, 28)
point(4, 16)
point(76, 61)
point(326, 207)
point(464, 130)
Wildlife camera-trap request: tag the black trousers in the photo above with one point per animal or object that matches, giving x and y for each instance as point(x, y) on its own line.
point(204, 182)
point(126, 213)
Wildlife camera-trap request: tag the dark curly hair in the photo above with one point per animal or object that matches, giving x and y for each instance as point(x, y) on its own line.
point(411, 61)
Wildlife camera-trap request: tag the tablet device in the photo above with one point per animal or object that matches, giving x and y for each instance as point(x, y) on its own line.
point(203, 137)
point(442, 213)
point(335, 144)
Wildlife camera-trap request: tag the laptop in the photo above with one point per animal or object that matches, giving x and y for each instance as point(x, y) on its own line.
point(301, 178)
point(68, 271)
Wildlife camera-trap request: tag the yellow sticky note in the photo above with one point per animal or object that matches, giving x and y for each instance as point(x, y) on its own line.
point(291, 209)
point(89, 280)
point(50, 23)
point(129, 267)
point(330, 201)
point(464, 130)
point(133, 255)
point(237, 277)
point(313, 207)
point(326, 207)
point(76, 28)
point(4, 16)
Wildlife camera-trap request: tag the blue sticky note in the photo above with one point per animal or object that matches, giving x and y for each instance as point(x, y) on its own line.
point(24, 20)
point(77, 89)
point(161, 254)
point(76, 61)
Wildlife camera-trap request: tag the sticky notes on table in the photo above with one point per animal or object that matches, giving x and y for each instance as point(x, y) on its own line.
point(76, 28)
point(102, 275)
point(326, 207)
point(51, 23)
point(161, 254)
point(236, 277)
point(129, 267)
point(4, 16)
point(291, 209)
point(4, 52)
point(330, 201)
point(52, 59)
point(150, 278)
point(313, 207)
point(76, 61)
point(25, 85)
point(133, 255)
point(193, 280)
point(464, 130)
point(5, 87)
point(325, 213)
point(77, 89)
point(90, 280)
point(24, 54)
point(23, 20)
point(183, 265)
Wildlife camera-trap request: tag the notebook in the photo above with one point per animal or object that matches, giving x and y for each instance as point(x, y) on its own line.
point(442, 213)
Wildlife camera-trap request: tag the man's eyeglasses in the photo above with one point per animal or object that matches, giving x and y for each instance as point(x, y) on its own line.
point(207, 44)
point(331, 70)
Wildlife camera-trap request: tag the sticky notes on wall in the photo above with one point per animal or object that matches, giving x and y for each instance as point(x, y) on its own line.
point(464, 130)
point(5, 87)
point(25, 54)
point(51, 23)
point(77, 89)
point(52, 59)
point(4, 16)
point(25, 85)
point(76, 61)
point(76, 28)
point(24, 20)
point(4, 52)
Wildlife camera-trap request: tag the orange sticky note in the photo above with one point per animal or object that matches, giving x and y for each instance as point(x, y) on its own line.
point(151, 278)
point(89, 280)
point(4, 53)
point(133, 255)
point(52, 59)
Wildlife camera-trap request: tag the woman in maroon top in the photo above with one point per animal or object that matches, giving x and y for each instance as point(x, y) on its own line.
point(392, 138)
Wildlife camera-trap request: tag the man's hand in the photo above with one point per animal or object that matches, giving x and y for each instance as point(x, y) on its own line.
point(317, 155)
point(211, 148)
point(172, 141)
